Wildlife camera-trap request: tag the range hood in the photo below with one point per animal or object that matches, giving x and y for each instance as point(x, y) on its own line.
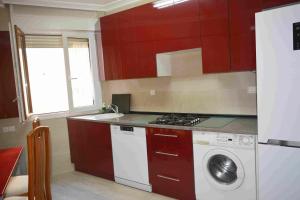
point(179, 63)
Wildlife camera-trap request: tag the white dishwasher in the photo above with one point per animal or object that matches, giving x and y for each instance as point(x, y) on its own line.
point(130, 156)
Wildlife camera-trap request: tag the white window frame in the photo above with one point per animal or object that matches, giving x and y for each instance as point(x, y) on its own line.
point(94, 71)
point(91, 36)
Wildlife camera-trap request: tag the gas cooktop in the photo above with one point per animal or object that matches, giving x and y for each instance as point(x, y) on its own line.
point(180, 119)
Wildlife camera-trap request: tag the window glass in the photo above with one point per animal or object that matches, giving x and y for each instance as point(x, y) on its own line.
point(47, 74)
point(80, 71)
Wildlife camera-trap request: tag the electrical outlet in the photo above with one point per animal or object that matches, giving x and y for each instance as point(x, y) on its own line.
point(8, 129)
point(152, 92)
point(12, 129)
point(252, 90)
point(5, 129)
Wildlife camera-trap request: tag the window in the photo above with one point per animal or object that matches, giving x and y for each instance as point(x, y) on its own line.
point(47, 74)
point(80, 70)
point(57, 73)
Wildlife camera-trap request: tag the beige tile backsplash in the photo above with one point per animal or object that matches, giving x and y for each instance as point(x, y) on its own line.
point(214, 94)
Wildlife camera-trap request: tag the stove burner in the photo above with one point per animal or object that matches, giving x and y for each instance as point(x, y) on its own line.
point(180, 119)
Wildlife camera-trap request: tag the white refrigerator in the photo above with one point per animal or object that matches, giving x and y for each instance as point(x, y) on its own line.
point(278, 100)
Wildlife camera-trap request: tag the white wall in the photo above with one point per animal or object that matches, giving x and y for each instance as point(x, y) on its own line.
point(39, 19)
point(4, 19)
point(61, 162)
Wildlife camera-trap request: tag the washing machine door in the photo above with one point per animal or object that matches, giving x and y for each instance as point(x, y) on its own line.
point(223, 169)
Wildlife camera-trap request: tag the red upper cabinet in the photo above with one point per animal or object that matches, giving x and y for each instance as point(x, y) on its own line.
point(224, 29)
point(242, 33)
point(178, 21)
point(126, 26)
point(145, 22)
point(137, 50)
point(177, 27)
point(111, 47)
point(8, 103)
point(145, 61)
point(214, 21)
point(274, 3)
point(132, 38)
point(138, 60)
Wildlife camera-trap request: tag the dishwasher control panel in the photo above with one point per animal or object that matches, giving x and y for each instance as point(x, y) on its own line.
point(126, 128)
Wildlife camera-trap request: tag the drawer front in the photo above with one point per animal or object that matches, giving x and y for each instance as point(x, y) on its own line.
point(167, 165)
point(174, 166)
point(168, 140)
point(173, 187)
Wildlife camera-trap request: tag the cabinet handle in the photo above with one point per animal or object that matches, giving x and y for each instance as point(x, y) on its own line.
point(165, 135)
point(14, 100)
point(166, 154)
point(168, 178)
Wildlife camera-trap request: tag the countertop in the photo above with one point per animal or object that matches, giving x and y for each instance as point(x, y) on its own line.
point(238, 125)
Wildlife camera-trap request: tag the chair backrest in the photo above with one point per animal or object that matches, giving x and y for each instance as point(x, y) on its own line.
point(36, 122)
point(39, 171)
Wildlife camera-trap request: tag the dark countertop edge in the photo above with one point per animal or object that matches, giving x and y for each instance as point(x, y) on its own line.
point(165, 113)
point(188, 128)
point(203, 114)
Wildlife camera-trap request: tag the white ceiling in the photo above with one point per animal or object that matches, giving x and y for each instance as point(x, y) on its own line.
point(93, 5)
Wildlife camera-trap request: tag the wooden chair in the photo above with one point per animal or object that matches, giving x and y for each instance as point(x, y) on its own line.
point(39, 171)
point(36, 123)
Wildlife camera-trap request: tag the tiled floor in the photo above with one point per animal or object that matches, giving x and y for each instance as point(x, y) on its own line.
point(79, 186)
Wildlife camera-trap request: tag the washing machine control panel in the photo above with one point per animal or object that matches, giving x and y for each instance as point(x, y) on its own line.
point(224, 139)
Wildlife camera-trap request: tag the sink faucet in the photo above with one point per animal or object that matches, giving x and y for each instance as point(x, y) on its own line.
point(114, 108)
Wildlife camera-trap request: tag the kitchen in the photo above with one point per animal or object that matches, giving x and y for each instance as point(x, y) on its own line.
point(223, 87)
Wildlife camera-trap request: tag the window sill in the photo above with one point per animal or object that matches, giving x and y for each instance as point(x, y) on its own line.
point(63, 114)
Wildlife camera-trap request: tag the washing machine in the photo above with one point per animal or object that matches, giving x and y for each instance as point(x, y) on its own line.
point(224, 166)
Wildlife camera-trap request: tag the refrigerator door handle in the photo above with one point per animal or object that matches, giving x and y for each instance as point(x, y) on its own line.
point(284, 143)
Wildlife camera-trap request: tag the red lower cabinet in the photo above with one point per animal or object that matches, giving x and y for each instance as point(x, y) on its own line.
point(91, 148)
point(171, 166)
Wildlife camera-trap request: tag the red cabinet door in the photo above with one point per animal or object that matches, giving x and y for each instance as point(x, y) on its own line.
point(8, 103)
point(139, 60)
point(110, 37)
point(177, 44)
point(275, 3)
point(90, 147)
point(242, 33)
point(170, 160)
point(214, 21)
point(127, 26)
point(112, 62)
point(98, 155)
point(144, 22)
point(177, 21)
point(146, 59)
point(177, 27)
point(77, 141)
